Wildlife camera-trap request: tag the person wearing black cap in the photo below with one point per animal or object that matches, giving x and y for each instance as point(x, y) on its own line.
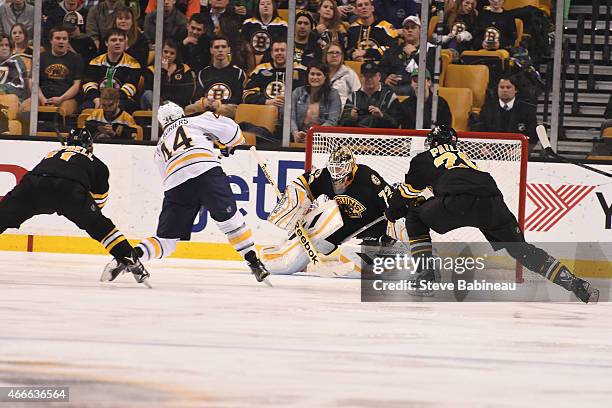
point(306, 47)
point(374, 105)
point(408, 107)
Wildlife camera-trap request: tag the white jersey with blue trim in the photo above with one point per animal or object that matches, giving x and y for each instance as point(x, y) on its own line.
point(186, 149)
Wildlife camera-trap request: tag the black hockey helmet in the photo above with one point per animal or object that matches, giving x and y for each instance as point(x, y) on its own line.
point(80, 137)
point(442, 134)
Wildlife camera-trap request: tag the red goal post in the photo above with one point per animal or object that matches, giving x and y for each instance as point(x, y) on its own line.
point(389, 151)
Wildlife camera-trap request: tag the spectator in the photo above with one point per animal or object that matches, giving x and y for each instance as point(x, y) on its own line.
point(315, 103)
point(187, 7)
point(267, 82)
point(220, 10)
point(109, 120)
point(137, 44)
point(374, 105)
point(403, 58)
point(369, 37)
point(14, 71)
point(395, 11)
point(265, 27)
point(114, 69)
point(21, 42)
point(408, 107)
point(459, 25)
point(100, 20)
point(506, 113)
point(177, 79)
point(607, 116)
point(495, 28)
point(81, 44)
point(61, 72)
point(342, 78)
point(220, 83)
point(306, 48)
point(245, 8)
point(18, 11)
point(243, 55)
point(329, 27)
point(55, 16)
point(174, 21)
point(194, 43)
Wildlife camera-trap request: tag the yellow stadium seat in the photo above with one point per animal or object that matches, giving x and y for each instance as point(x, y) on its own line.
point(519, 32)
point(87, 111)
point(14, 127)
point(460, 101)
point(259, 115)
point(446, 58)
point(474, 77)
point(54, 110)
point(12, 104)
point(51, 134)
point(297, 145)
point(284, 14)
point(433, 22)
point(150, 58)
point(402, 98)
point(607, 132)
point(81, 120)
point(545, 6)
point(354, 65)
point(603, 158)
point(514, 4)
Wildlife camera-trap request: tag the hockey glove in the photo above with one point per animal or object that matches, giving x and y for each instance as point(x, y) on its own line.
point(226, 151)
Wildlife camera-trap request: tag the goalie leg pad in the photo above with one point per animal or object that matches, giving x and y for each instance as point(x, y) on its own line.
point(238, 233)
point(321, 223)
point(156, 248)
point(285, 259)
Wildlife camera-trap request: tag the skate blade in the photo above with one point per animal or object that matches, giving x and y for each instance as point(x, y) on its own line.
point(267, 282)
point(594, 298)
point(147, 284)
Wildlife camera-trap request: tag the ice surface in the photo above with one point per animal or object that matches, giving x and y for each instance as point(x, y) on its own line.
point(208, 335)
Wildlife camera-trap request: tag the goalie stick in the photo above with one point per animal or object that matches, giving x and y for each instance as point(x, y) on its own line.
point(543, 136)
point(298, 229)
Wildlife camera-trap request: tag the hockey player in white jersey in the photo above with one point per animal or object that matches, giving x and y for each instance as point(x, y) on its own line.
point(193, 178)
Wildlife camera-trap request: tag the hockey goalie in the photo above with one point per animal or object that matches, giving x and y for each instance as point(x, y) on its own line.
point(334, 204)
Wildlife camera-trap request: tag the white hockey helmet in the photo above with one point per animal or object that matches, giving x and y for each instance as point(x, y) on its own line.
point(169, 112)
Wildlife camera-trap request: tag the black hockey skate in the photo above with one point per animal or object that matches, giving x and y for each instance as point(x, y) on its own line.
point(115, 268)
point(257, 268)
point(584, 291)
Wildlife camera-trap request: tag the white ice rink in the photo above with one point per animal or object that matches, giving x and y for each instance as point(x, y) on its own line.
point(208, 335)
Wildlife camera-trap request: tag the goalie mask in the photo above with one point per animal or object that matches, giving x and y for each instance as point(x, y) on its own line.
point(442, 134)
point(341, 167)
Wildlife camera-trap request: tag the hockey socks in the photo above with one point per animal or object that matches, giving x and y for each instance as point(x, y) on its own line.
point(238, 233)
point(155, 248)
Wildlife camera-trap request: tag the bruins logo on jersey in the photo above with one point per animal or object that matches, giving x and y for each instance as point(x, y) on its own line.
point(350, 206)
point(275, 88)
point(219, 91)
point(261, 41)
point(375, 180)
point(458, 27)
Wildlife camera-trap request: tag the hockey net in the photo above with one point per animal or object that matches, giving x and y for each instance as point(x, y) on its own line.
point(389, 151)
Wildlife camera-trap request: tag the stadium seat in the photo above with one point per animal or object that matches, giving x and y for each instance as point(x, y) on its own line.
point(12, 103)
point(297, 145)
point(51, 111)
point(81, 120)
point(519, 32)
point(459, 101)
point(14, 127)
point(52, 134)
point(433, 22)
point(402, 98)
point(284, 14)
point(607, 132)
point(143, 118)
point(259, 115)
point(139, 133)
point(354, 65)
point(602, 158)
point(514, 4)
point(446, 58)
point(545, 6)
point(473, 77)
point(87, 111)
point(151, 57)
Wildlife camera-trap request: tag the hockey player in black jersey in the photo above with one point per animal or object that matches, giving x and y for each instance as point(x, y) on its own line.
point(73, 183)
point(465, 196)
point(357, 197)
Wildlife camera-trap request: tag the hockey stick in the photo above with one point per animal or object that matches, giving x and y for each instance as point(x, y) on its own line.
point(299, 230)
point(541, 131)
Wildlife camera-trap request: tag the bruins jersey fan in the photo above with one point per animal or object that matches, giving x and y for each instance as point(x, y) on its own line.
point(467, 197)
point(268, 81)
point(225, 84)
point(375, 38)
point(496, 30)
point(73, 183)
point(122, 75)
point(260, 35)
point(122, 123)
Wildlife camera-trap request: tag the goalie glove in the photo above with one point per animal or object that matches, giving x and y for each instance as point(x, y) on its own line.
point(290, 208)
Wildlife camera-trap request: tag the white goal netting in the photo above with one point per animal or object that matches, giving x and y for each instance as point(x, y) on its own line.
point(502, 155)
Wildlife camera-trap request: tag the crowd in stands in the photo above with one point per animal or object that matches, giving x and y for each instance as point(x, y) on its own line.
point(355, 61)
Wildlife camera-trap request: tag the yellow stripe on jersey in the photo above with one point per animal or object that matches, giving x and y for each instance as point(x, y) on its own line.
point(407, 191)
point(187, 158)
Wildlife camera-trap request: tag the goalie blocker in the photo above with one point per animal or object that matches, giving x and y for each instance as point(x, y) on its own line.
point(333, 203)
